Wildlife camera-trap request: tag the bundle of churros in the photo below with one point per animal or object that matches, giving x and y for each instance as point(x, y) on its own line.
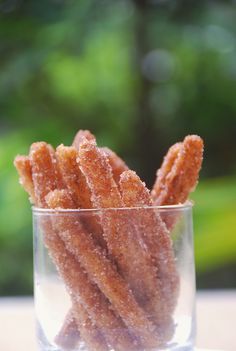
point(117, 266)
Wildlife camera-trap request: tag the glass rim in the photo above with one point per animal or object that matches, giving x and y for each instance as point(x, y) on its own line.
point(177, 207)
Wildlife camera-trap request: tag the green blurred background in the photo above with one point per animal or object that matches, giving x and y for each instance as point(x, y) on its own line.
point(140, 75)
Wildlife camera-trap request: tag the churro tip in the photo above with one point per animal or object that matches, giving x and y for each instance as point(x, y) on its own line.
point(81, 136)
point(194, 139)
point(40, 147)
point(86, 146)
point(60, 146)
point(128, 176)
point(66, 150)
point(131, 176)
point(18, 159)
point(59, 199)
point(195, 145)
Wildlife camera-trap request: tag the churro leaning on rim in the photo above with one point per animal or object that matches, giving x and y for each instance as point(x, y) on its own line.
point(178, 176)
point(76, 184)
point(154, 234)
point(68, 336)
point(81, 195)
point(179, 172)
point(57, 249)
point(46, 177)
point(134, 263)
point(165, 169)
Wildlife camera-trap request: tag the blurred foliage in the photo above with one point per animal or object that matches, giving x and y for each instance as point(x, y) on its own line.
point(141, 75)
point(214, 223)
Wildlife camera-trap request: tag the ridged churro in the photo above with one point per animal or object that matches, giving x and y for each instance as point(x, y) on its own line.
point(73, 177)
point(65, 263)
point(22, 164)
point(163, 172)
point(78, 188)
point(134, 263)
point(154, 234)
point(80, 192)
point(44, 166)
point(179, 172)
point(77, 185)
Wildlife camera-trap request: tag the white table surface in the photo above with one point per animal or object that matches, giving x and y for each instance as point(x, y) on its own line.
point(216, 319)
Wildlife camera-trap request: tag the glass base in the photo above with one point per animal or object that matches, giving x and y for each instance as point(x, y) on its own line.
point(82, 348)
point(44, 345)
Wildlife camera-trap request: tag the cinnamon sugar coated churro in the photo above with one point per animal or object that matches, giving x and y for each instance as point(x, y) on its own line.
point(179, 172)
point(113, 249)
point(157, 241)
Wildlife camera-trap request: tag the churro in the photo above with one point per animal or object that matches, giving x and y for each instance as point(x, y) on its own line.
point(134, 263)
point(89, 332)
point(77, 185)
point(78, 188)
point(73, 177)
point(65, 263)
point(179, 172)
point(163, 172)
point(156, 237)
point(68, 336)
point(44, 166)
point(22, 164)
point(80, 192)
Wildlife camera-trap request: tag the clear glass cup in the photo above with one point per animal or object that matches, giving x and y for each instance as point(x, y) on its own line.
point(114, 279)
